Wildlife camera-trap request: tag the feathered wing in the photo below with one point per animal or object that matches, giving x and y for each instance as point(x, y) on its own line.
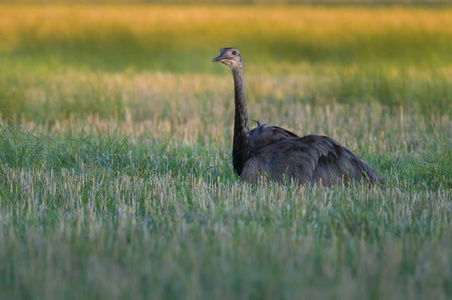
point(335, 162)
point(263, 136)
point(311, 158)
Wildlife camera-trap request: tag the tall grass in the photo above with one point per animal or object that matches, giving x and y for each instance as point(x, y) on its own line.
point(105, 209)
point(116, 177)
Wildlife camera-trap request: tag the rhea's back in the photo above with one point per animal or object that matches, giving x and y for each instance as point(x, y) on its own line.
point(279, 153)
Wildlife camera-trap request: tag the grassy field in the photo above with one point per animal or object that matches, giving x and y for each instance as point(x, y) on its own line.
point(115, 153)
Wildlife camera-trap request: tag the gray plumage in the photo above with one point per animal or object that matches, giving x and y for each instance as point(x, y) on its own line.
point(278, 153)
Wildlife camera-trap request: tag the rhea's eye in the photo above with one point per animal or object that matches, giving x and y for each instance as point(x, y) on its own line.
point(234, 52)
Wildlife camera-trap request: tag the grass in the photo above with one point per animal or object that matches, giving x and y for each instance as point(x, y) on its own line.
point(115, 140)
point(395, 56)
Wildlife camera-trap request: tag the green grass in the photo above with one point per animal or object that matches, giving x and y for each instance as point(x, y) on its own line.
point(115, 153)
point(394, 56)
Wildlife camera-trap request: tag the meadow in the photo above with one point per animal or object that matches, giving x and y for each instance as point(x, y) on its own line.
point(115, 152)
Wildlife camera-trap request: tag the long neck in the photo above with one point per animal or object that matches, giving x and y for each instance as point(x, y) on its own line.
point(241, 145)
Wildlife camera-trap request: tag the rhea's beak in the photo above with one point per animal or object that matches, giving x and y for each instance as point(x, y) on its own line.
point(218, 58)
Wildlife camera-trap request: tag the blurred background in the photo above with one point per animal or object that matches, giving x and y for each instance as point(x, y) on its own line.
point(54, 57)
point(239, 2)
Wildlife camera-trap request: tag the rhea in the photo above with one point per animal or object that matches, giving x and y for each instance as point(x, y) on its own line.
point(280, 154)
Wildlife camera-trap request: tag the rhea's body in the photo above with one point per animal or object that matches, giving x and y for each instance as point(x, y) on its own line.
point(278, 153)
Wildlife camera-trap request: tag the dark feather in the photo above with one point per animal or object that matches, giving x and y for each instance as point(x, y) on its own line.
point(312, 158)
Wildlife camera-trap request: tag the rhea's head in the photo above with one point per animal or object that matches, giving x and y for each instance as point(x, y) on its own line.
point(230, 57)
